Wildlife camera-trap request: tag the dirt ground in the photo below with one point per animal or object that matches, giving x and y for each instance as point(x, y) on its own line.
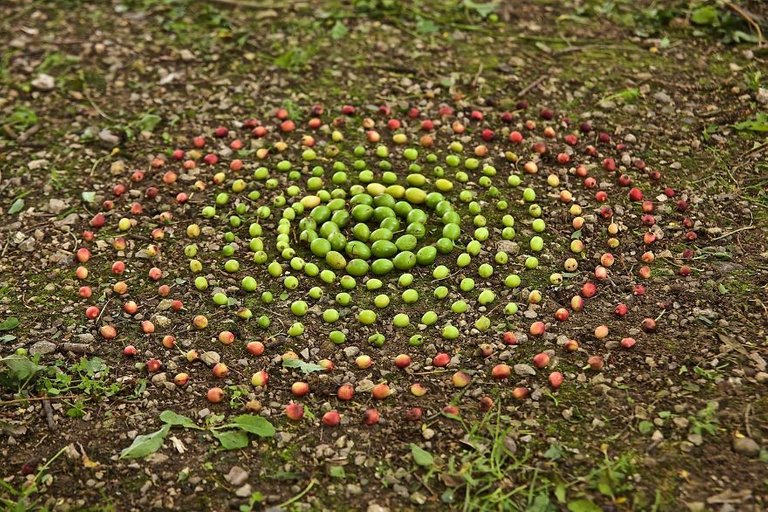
point(668, 98)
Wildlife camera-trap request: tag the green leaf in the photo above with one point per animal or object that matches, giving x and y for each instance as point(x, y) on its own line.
point(554, 452)
point(88, 196)
point(7, 338)
point(421, 456)
point(255, 425)
point(339, 30)
point(231, 439)
point(583, 505)
point(560, 492)
point(706, 15)
point(627, 95)
point(9, 323)
point(145, 444)
point(743, 37)
point(645, 427)
point(20, 368)
point(149, 122)
point(337, 472)
point(758, 124)
point(541, 503)
point(22, 118)
point(482, 9)
point(173, 419)
point(16, 207)
point(426, 26)
point(304, 367)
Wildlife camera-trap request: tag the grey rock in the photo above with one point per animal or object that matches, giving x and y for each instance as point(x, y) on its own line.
point(663, 97)
point(237, 476)
point(354, 489)
point(109, 137)
point(56, 206)
point(524, 370)
point(40, 163)
point(43, 82)
point(418, 498)
point(244, 491)
point(746, 446)
point(42, 348)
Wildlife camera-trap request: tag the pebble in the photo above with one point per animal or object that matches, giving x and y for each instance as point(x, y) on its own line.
point(375, 507)
point(56, 206)
point(746, 446)
point(244, 491)
point(663, 97)
point(109, 137)
point(43, 82)
point(524, 370)
point(237, 476)
point(42, 348)
point(418, 498)
point(40, 163)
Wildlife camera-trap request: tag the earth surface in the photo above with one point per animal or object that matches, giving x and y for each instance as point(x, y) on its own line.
point(527, 238)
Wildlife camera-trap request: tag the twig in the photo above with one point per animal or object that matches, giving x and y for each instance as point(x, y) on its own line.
point(28, 133)
point(97, 108)
point(532, 85)
point(298, 496)
point(49, 414)
point(35, 399)
point(755, 150)
point(477, 75)
point(254, 5)
point(746, 419)
point(732, 232)
point(102, 311)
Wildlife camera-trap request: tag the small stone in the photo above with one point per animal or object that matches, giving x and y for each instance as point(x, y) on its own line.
point(762, 377)
point(109, 137)
point(40, 163)
point(375, 507)
point(244, 491)
point(56, 206)
point(42, 348)
point(524, 370)
point(43, 82)
point(418, 498)
point(210, 358)
point(237, 476)
point(663, 97)
point(746, 446)
point(354, 489)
